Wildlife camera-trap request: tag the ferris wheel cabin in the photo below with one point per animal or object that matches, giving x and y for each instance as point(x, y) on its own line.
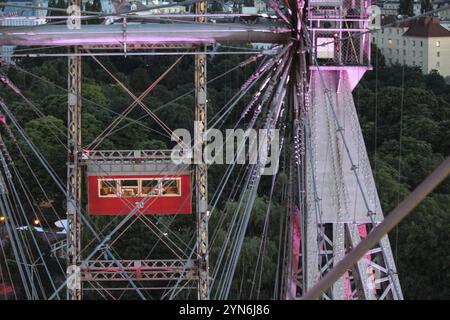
point(120, 181)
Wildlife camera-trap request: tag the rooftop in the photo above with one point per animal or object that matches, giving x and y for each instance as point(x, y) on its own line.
point(394, 21)
point(428, 27)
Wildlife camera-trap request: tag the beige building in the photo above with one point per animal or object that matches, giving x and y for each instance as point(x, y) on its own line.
point(423, 43)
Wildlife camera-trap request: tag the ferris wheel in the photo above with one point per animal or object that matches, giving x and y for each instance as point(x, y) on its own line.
point(305, 57)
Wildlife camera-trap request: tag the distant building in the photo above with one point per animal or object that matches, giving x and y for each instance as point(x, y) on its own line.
point(107, 6)
point(444, 14)
point(15, 16)
point(18, 16)
point(144, 4)
point(390, 7)
point(261, 6)
point(424, 43)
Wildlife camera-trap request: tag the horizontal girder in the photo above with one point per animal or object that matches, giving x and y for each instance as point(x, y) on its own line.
point(127, 155)
point(140, 270)
point(151, 33)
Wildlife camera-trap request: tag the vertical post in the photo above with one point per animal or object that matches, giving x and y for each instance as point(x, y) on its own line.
point(74, 173)
point(201, 171)
point(338, 253)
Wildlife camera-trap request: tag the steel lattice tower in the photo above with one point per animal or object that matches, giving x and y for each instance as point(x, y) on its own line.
point(74, 290)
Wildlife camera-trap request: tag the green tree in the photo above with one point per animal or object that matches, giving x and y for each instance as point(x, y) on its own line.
point(51, 4)
point(406, 7)
point(216, 6)
point(48, 135)
point(422, 250)
point(57, 4)
point(93, 6)
point(426, 5)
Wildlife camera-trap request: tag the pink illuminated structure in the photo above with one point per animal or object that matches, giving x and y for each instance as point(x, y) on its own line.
point(348, 205)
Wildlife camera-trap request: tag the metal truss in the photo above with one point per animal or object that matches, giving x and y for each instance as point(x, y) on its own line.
point(139, 46)
point(156, 33)
point(201, 169)
point(139, 270)
point(345, 33)
point(74, 175)
point(369, 279)
point(179, 271)
point(343, 205)
point(140, 156)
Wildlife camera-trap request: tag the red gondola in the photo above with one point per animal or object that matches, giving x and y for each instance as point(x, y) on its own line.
point(117, 187)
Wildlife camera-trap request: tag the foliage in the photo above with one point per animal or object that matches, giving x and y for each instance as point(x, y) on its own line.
point(406, 7)
point(405, 119)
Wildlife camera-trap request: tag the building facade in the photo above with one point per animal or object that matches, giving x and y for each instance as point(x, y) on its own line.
point(390, 7)
point(424, 43)
point(444, 14)
point(19, 16)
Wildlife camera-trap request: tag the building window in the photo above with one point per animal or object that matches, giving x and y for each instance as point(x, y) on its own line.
point(398, 42)
point(382, 40)
point(420, 54)
point(398, 31)
point(438, 54)
point(390, 61)
point(404, 42)
point(390, 30)
point(140, 187)
point(171, 187)
point(397, 51)
point(129, 188)
point(414, 43)
point(421, 43)
point(404, 52)
point(414, 53)
point(438, 64)
point(150, 187)
point(390, 40)
point(107, 188)
point(438, 43)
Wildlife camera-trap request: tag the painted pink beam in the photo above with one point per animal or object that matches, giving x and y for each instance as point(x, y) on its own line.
point(151, 33)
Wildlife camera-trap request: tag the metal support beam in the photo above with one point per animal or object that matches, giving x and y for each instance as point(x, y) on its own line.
point(201, 170)
point(380, 231)
point(74, 175)
point(139, 270)
point(338, 254)
point(180, 34)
